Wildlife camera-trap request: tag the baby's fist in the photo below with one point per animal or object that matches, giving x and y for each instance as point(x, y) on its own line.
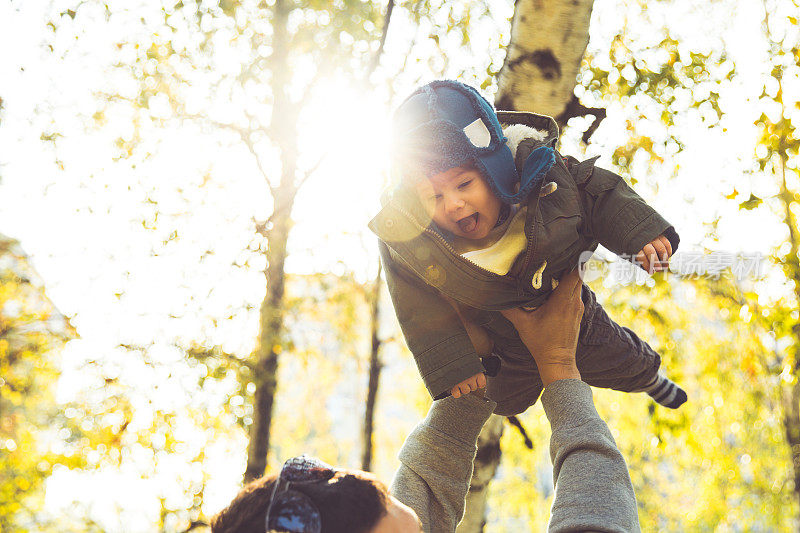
point(478, 381)
point(654, 257)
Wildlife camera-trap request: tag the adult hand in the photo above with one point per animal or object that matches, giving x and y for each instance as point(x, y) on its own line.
point(551, 331)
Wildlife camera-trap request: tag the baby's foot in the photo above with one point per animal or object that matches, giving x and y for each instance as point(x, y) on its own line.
point(666, 392)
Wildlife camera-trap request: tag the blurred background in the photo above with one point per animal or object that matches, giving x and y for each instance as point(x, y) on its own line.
point(189, 294)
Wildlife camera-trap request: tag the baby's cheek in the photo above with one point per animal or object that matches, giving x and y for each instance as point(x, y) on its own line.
point(440, 219)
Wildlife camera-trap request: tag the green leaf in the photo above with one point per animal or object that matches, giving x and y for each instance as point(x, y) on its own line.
point(751, 203)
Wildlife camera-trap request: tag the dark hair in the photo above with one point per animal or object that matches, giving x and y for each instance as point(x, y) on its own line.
point(351, 502)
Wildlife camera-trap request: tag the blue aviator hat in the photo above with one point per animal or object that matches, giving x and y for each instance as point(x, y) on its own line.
point(446, 124)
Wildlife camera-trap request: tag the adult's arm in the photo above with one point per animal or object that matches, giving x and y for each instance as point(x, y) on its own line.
point(593, 490)
point(593, 487)
point(436, 461)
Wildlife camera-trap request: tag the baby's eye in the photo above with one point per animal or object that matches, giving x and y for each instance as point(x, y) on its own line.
point(464, 184)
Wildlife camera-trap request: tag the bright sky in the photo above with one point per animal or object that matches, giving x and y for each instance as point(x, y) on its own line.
point(81, 216)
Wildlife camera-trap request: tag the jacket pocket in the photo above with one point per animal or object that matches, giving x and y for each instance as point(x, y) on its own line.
point(558, 239)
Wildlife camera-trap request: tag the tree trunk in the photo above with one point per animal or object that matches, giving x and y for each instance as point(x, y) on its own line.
point(486, 462)
point(791, 423)
point(375, 367)
point(791, 393)
point(265, 356)
point(548, 40)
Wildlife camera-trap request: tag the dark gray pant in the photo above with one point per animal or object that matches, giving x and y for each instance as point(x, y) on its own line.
point(608, 356)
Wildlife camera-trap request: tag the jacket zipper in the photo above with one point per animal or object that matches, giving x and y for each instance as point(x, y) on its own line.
point(438, 238)
point(529, 249)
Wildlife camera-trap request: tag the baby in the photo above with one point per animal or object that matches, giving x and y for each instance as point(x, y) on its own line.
point(488, 217)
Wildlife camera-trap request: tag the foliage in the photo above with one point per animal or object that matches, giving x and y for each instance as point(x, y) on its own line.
point(720, 461)
point(659, 80)
point(31, 331)
point(166, 408)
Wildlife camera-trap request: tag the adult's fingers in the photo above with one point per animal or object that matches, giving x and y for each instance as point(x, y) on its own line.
point(569, 284)
point(574, 282)
point(568, 289)
point(481, 381)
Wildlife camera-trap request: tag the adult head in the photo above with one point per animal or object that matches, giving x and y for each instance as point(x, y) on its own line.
point(309, 496)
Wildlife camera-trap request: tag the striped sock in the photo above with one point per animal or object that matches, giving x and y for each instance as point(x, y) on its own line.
point(666, 392)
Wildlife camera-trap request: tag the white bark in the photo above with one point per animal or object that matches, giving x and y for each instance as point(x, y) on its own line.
point(486, 463)
point(548, 40)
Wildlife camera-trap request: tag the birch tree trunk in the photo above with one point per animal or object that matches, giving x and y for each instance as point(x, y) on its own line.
point(548, 40)
point(486, 462)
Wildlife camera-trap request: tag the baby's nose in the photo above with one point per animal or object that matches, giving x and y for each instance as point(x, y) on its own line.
point(454, 203)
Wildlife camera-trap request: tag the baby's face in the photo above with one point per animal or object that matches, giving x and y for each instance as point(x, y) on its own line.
point(460, 201)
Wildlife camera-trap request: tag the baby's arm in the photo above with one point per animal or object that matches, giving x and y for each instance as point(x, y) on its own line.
point(436, 336)
point(620, 219)
point(483, 347)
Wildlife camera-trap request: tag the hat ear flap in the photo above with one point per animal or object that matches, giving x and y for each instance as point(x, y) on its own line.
point(538, 163)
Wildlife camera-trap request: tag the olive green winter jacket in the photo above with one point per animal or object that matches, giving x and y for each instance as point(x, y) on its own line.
point(588, 205)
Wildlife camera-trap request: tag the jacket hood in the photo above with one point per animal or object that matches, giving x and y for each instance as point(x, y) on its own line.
point(520, 125)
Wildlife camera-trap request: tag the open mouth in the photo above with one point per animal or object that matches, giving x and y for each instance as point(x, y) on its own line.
point(468, 224)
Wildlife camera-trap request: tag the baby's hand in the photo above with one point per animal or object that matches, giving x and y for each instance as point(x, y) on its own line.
point(478, 381)
point(654, 257)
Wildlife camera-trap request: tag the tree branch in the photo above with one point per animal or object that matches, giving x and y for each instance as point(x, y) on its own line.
point(195, 524)
point(308, 173)
point(377, 57)
point(576, 109)
point(196, 352)
point(514, 421)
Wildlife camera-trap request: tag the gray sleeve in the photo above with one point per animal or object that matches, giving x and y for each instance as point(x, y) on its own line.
point(593, 490)
point(436, 461)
